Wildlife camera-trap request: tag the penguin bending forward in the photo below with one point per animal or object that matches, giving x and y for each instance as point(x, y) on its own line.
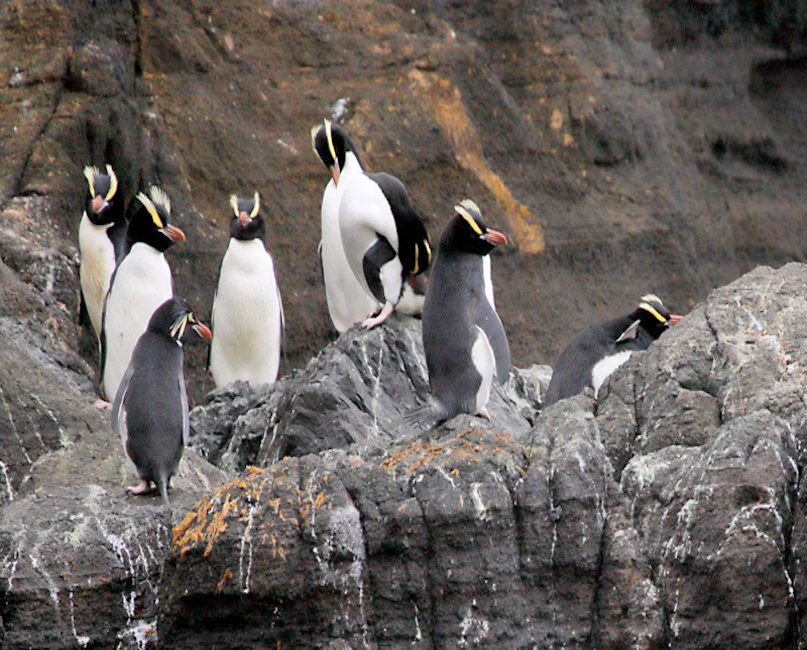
point(463, 337)
point(141, 282)
point(247, 316)
point(348, 302)
point(384, 238)
point(101, 233)
point(600, 349)
point(151, 406)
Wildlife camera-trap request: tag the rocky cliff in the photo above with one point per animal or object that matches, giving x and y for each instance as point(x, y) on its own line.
point(622, 146)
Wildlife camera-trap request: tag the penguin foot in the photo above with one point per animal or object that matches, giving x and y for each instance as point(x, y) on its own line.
point(140, 488)
point(386, 310)
point(103, 405)
point(482, 411)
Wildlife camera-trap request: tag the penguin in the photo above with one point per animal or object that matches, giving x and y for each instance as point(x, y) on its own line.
point(247, 316)
point(141, 282)
point(463, 338)
point(150, 412)
point(600, 349)
point(101, 232)
point(384, 238)
point(348, 302)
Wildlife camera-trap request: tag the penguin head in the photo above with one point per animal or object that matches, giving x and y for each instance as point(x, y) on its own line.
point(331, 143)
point(247, 222)
point(149, 221)
point(653, 316)
point(467, 232)
point(172, 318)
point(103, 205)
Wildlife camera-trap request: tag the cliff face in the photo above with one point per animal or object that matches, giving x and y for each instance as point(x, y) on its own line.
point(623, 147)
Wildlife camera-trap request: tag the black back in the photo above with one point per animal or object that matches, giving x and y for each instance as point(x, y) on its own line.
point(414, 248)
point(572, 371)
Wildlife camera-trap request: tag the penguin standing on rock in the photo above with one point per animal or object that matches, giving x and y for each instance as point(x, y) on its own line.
point(151, 406)
point(463, 338)
point(348, 302)
point(247, 314)
point(141, 282)
point(384, 239)
point(101, 232)
point(600, 349)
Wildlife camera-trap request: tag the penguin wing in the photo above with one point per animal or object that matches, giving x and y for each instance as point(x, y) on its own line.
point(630, 333)
point(118, 408)
point(102, 336)
point(186, 423)
point(486, 318)
point(374, 259)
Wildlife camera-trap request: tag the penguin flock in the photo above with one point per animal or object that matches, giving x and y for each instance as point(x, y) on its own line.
point(374, 250)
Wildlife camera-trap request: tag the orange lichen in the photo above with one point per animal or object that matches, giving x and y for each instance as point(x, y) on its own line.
point(223, 582)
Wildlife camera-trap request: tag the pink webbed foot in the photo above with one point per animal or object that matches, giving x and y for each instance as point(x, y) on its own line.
point(140, 488)
point(386, 310)
point(483, 412)
point(103, 405)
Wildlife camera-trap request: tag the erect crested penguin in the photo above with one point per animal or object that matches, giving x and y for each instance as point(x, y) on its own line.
point(151, 406)
point(247, 315)
point(598, 350)
point(384, 239)
point(348, 302)
point(100, 240)
point(463, 338)
point(141, 282)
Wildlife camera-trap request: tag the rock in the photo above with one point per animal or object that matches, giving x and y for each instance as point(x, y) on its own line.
point(355, 392)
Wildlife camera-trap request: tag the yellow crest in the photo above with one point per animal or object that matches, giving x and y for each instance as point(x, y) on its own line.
point(90, 173)
point(155, 217)
point(257, 207)
point(178, 328)
point(464, 209)
point(113, 183)
point(650, 309)
point(329, 136)
point(234, 203)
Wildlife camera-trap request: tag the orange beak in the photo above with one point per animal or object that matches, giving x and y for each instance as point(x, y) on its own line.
point(335, 172)
point(674, 318)
point(244, 219)
point(494, 237)
point(174, 234)
point(98, 204)
point(203, 330)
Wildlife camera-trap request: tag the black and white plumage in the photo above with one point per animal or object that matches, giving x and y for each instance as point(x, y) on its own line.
point(348, 302)
point(150, 411)
point(463, 337)
point(247, 315)
point(600, 349)
point(384, 238)
point(101, 232)
point(141, 282)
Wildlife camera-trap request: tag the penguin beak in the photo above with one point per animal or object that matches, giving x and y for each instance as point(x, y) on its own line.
point(98, 204)
point(335, 172)
point(203, 330)
point(494, 237)
point(244, 219)
point(673, 319)
point(174, 234)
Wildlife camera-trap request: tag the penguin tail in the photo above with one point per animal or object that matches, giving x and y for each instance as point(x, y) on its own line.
point(426, 416)
point(163, 484)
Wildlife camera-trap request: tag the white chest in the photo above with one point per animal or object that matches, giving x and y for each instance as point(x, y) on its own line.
point(604, 367)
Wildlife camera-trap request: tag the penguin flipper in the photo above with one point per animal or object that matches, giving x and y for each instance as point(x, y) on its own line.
point(162, 484)
point(630, 333)
point(376, 257)
point(486, 318)
point(186, 423)
point(118, 409)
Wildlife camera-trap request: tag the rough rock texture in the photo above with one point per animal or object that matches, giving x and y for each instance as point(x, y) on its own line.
point(667, 513)
point(622, 146)
point(356, 391)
